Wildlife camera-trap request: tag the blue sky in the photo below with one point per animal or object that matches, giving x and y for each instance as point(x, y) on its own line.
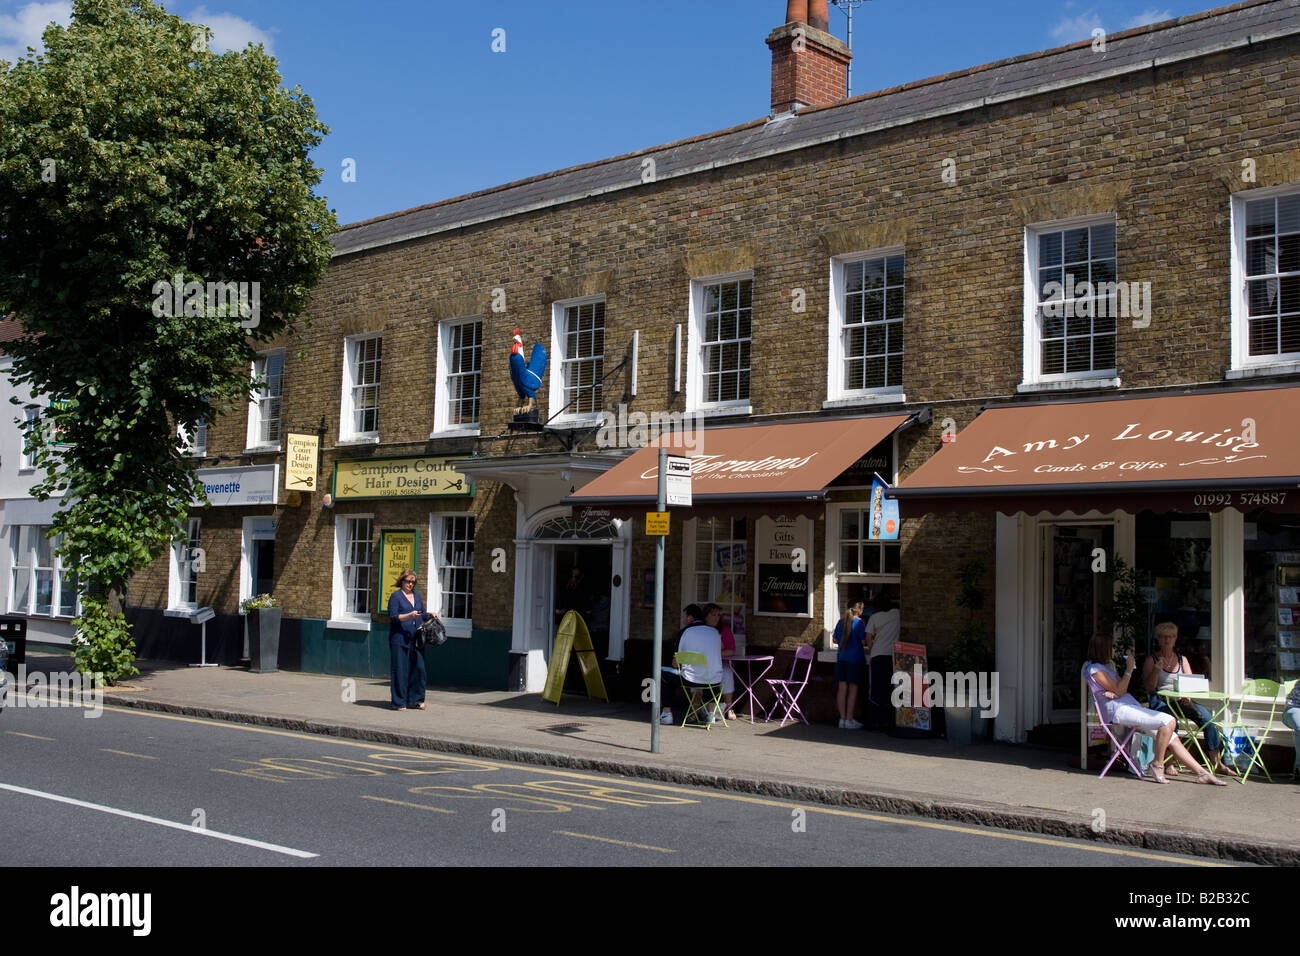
point(414, 93)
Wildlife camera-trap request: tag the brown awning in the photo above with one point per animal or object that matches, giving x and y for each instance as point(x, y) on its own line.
point(747, 464)
point(1198, 452)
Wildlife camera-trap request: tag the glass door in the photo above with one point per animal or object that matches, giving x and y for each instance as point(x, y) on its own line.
point(1071, 606)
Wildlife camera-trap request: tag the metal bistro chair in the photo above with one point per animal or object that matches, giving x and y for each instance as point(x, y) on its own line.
point(1258, 687)
point(787, 691)
point(1121, 747)
point(698, 715)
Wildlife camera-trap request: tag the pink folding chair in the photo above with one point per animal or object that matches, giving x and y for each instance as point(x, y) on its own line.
point(1121, 747)
point(787, 691)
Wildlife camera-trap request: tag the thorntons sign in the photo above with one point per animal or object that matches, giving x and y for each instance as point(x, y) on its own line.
point(704, 467)
point(1152, 449)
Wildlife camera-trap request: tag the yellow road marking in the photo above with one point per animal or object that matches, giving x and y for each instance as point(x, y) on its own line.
point(126, 753)
point(638, 846)
point(734, 797)
point(32, 736)
point(241, 773)
point(405, 803)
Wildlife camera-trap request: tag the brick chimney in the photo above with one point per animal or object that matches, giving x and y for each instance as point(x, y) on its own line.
point(809, 66)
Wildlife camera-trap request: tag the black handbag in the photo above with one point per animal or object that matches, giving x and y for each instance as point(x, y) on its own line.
point(430, 632)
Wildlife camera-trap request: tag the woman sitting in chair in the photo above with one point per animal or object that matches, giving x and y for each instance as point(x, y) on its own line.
point(1118, 707)
point(1160, 672)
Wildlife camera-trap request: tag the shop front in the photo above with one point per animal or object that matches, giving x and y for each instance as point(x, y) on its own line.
point(1200, 493)
point(782, 530)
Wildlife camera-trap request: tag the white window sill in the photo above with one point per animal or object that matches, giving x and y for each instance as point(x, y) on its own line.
point(360, 439)
point(347, 624)
point(27, 471)
point(875, 398)
point(457, 627)
point(455, 433)
point(711, 411)
point(577, 421)
point(1253, 371)
point(180, 612)
point(262, 450)
point(1069, 384)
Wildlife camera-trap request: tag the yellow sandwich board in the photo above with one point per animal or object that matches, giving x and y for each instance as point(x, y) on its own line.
point(573, 636)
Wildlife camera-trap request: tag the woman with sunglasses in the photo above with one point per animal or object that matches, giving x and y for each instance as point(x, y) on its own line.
point(405, 612)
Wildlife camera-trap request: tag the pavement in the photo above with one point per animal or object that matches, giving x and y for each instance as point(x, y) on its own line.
point(1016, 787)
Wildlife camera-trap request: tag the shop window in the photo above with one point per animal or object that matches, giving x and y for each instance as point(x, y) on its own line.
point(578, 360)
point(718, 344)
point(460, 372)
point(717, 567)
point(451, 588)
point(39, 583)
point(264, 407)
point(183, 577)
point(1266, 280)
point(1173, 559)
point(1272, 578)
point(866, 329)
point(353, 569)
point(361, 367)
point(1071, 303)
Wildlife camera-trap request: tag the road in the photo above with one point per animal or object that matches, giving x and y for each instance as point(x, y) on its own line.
point(135, 788)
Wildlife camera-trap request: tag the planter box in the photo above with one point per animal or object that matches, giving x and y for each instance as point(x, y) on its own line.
point(264, 640)
point(961, 723)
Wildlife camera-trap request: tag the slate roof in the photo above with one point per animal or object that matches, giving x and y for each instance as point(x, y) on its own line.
point(1143, 48)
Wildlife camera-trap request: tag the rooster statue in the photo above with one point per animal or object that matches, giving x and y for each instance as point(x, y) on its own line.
point(527, 378)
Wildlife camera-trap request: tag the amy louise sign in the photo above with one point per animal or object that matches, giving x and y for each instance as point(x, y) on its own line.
point(1129, 449)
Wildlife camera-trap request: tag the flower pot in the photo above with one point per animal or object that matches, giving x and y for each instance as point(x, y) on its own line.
point(264, 640)
point(959, 722)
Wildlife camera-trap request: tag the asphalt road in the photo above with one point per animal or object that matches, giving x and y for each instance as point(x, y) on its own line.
point(134, 788)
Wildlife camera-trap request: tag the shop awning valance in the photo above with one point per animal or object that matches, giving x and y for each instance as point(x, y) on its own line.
point(1197, 452)
point(747, 464)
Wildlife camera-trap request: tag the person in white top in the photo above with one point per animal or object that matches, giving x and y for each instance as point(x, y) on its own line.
point(882, 633)
point(699, 638)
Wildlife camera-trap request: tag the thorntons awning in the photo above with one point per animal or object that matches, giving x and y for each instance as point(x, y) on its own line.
point(1198, 452)
point(749, 463)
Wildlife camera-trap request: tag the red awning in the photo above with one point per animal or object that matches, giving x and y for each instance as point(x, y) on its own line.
point(1199, 452)
point(747, 464)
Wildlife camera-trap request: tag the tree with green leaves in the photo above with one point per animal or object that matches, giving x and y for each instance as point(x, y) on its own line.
point(140, 173)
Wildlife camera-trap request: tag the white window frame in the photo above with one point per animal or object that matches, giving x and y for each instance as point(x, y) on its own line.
point(351, 350)
point(560, 362)
point(58, 573)
point(836, 393)
point(179, 569)
point(442, 427)
point(194, 441)
point(434, 593)
point(1243, 364)
point(340, 616)
point(744, 589)
point(31, 421)
point(1034, 379)
point(261, 399)
point(695, 349)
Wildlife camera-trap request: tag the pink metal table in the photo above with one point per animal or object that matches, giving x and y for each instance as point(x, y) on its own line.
point(749, 680)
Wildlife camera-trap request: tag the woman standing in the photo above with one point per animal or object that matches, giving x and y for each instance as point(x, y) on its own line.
point(850, 637)
point(405, 612)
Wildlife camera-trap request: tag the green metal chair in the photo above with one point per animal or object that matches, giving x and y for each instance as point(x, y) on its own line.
point(710, 695)
point(1256, 687)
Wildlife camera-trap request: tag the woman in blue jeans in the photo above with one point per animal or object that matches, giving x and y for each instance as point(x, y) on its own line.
point(1160, 672)
point(1291, 717)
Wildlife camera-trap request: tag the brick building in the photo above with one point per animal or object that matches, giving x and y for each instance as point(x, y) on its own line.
point(858, 279)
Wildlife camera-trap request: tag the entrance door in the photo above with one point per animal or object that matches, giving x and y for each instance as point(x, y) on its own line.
point(582, 582)
point(1072, 596)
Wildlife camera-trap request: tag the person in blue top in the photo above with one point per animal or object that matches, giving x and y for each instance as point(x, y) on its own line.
point(850, 635)
point(405, 612)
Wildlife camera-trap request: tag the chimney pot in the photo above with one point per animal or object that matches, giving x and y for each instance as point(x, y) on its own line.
point(818, 15)
point(796, 11)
